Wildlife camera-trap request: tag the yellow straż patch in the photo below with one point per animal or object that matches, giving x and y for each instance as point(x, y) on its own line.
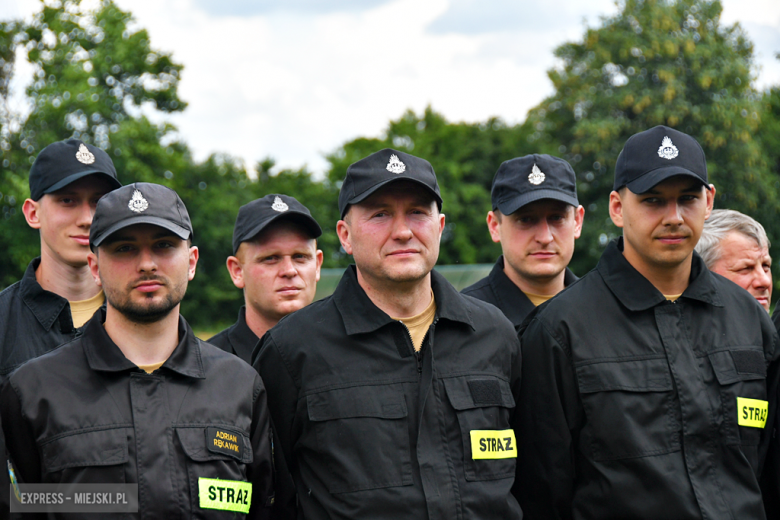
point(226, 495)
point(493, 444)
point(752, 412)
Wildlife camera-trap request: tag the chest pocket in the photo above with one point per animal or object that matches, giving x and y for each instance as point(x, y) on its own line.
point(93, 457)
point(362, 437)
point(629, 409)
point(216, 452)
point(740, 374)
point(483, 406)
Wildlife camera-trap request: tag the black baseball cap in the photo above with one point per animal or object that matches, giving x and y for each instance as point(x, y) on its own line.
point(139, 203)
point(527, 179)
point(259, 214)
point(654, 155)
point(380, 169)
point(64, 162)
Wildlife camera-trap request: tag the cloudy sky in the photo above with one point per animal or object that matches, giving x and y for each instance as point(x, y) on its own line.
point(294, 79)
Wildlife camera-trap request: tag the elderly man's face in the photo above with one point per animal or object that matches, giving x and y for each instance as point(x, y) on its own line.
point(746, 263)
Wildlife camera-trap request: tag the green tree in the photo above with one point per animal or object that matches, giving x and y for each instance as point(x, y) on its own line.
point(656, 63)
point(465, 157)
point(91, 77)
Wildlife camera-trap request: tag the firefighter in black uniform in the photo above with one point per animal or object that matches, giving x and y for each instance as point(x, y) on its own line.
point(277, 264)
point(536, 217)
point(56, 295)
point(395, 397)
point(648, 383)
point(138, 398)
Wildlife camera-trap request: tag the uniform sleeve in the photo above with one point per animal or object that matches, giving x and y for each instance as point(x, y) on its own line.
point(769, 449)
point(19, 437)
point(549, 418)
point(282, 404)
point(260, 472)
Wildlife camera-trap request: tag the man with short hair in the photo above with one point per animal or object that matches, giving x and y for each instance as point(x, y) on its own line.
point(735, 245)
point(395, 396)
point(536, 218)
point(57, 294)
point(647, 385)
point(277, 264)
point(137, 398)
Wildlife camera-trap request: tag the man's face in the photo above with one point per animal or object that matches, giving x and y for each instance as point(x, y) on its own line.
point(144, 271)
point(538, 239)
point(278, 270)
point(394, 234)
point(64, 217)
point(661, 227)
point(747, 264)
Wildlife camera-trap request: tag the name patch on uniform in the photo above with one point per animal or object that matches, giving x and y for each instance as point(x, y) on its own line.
point(225, 495)
point(493, 444)
point(227, 442)
point(752, 412)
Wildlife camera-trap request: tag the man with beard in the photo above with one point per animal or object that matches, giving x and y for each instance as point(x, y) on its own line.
point(138, 398)
point(395, 397)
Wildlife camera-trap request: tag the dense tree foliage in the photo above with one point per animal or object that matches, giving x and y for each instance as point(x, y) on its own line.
point(655, 62)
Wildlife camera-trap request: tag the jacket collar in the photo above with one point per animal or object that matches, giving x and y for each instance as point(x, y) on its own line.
point(45, 305)
point(360, 315)
point(636, 292)
point(512, 300)
point(241, 337)
point(103, 355)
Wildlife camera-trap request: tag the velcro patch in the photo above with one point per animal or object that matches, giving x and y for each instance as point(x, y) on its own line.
point(226, 442)
point(752, 412)
point(749, 361)
point(225, 495)
point(493, 444)
point(485, 392)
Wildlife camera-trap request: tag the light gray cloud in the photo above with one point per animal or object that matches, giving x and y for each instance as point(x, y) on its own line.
point(472, 17)
point(263, 7)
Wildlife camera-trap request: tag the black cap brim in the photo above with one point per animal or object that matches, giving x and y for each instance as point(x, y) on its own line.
point(363, 196)
point(652, 178)
point(510, 206)
point(298, 217)
point(179, 231)
point(76, 176)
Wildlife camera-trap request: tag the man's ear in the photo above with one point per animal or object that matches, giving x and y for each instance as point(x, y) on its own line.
point(31, 210)
point(342, 230)
point(494, 226)
point(92, 262)
point(616, 209)
point(236, 271)
point(194, 255)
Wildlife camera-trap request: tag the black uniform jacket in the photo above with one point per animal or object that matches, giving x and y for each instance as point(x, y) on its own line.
point(237, 339)
point(372, 430)
point(33, 321)
point(771, 475)
point(498, 289)
point(633, 405)
point(84, 413)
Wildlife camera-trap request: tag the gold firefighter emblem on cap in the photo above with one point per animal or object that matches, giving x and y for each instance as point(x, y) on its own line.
point(395, 165)
point(667, 149)
point(84, 156)
point(536, 177)
point(137, 202)
point(279, 205)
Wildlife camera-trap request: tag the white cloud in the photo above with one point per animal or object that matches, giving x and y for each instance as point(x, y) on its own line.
point(295, 86)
